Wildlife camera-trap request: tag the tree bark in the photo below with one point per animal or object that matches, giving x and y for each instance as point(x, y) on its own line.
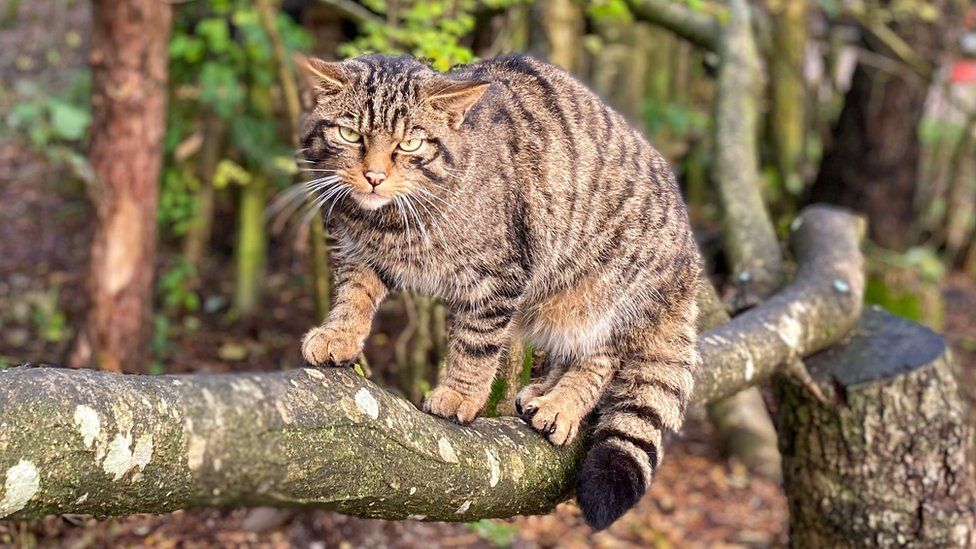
point(960, 162)
point(129, 72)
point(884, 460)
point(741, 421)
point(79, 441)
point(820, 305)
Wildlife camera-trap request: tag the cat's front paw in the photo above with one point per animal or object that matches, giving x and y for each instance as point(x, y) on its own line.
point(323, 346)
point(553, 417)
point(450, 404)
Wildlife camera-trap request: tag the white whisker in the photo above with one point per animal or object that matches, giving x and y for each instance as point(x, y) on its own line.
point(420, 222)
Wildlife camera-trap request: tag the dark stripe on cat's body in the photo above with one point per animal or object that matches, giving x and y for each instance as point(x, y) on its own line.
point(480, 350)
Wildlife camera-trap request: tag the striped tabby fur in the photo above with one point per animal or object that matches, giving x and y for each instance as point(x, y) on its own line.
point(532, 208)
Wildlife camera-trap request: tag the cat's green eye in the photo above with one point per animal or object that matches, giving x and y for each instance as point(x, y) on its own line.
point(411, 145)
point(349, 134)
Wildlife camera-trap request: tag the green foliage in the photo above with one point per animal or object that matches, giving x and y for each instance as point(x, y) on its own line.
point(497, 533)
point(46, 119)
point(176, 204)
point(609, 10)
point(173, 284)
point(434, 30)
point(907, 284)
point(51, 322)
point(895, 300)
point(498, 387)
point(680, 120)
point(159, 345)
point(221, 66)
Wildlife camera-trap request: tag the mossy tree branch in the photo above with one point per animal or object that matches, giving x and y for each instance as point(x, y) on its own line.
point(80, 441)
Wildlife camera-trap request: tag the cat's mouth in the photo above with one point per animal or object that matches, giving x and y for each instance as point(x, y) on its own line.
point(371, 200)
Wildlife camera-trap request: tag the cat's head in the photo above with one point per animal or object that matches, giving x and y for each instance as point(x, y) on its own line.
point(385, 127)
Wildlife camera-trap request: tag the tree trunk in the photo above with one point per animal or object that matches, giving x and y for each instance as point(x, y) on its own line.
point(883, 460)
point(960, 164)
point(620, 66)
point(872, 162)
point(290, 96)
point(251, 252)
point(787, 119)
point(747, 230)
point(561, 39)
point(741, 421)
point(129, 71)
point(197, 237)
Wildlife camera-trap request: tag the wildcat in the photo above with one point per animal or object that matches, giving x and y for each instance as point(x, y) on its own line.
point(511, 191)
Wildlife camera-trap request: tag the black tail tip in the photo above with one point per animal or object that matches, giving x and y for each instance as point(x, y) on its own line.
point(610, 483)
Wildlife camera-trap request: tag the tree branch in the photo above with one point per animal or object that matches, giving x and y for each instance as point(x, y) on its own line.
point(748, 232)
point(820, 306)
point(701, 29)
point(80, 441)
point(354, 12)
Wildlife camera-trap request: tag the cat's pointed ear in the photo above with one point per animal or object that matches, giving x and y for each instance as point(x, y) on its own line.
point(455, 97)
point(321, 77)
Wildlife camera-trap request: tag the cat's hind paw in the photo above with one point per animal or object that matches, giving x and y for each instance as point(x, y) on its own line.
point(529, 393)
point(547, 416)
point(449, 404)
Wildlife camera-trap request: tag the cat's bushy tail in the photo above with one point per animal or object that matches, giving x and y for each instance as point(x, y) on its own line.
point(645, 400)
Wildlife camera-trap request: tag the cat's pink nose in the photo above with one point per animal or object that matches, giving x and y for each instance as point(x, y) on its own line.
point(375, 177)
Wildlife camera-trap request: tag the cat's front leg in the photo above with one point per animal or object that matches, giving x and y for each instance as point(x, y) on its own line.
point(359, 291)
point(479, 335)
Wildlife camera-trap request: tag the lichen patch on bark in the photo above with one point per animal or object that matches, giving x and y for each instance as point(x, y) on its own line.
point(22, 483)
point(367, 404)
point(118, 461)
point(88, 424)
point(195, 451)
point(494, 468)
point(143, 452)
point(286, 415)
point(446, 451)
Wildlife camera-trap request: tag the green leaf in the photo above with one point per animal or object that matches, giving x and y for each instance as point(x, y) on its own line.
point(25, 114)
point(69, 121)
point(216, 32)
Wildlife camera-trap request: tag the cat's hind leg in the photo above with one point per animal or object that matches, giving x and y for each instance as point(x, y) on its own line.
point(646, 400)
